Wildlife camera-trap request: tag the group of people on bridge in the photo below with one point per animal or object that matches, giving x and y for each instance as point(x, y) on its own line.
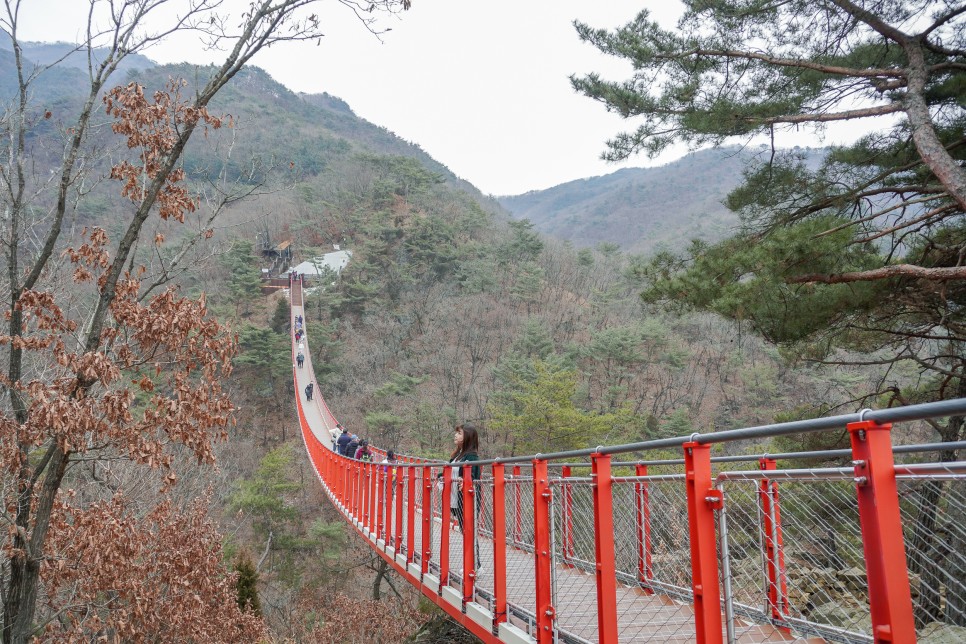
point(351, 445)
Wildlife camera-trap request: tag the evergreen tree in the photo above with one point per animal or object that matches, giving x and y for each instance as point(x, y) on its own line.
point(863, 252)
point(264, 362)
point(540, 415)
point(280, 318)
point(244, 281)
point(247, 584)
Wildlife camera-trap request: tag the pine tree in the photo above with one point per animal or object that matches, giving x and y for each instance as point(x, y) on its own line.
point(247, 584)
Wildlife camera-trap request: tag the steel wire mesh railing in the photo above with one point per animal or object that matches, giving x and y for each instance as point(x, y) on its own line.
point(484, 540)
point(812, 579)
point(933, 506)
point(654, 557)
point(572, 523)
point(519, 511)
point(519, 521)
point(437, 529)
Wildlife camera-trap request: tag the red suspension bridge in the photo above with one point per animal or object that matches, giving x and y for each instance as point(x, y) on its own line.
point(580, 547)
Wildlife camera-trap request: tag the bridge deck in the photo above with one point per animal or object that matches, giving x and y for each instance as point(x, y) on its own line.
point(642, 617)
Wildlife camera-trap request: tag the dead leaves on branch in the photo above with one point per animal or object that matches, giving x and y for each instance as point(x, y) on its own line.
point(129, 576)
point(348, 620)
point(154, 378)
point(154, 127)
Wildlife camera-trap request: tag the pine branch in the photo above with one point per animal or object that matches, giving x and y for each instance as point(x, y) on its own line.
point(944, 274)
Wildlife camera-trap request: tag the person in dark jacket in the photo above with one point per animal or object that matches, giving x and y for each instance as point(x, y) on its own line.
point(308, 390)
point(352, 446)
point(362, 452)
point(466, 441)
point(343, 441)
point(467, 444)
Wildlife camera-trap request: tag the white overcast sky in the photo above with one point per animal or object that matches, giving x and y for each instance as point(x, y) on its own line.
point(481, 86)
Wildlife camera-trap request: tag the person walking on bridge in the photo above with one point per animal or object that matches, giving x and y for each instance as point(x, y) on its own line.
point(308, 390)
point(343, 441)
point(300, 359)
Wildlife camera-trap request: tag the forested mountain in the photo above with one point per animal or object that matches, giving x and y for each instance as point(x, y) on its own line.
point(68, 55)
point(641, 209)
point(449, 310)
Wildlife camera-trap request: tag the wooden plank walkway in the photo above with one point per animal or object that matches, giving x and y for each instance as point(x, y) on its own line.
point(642, 617)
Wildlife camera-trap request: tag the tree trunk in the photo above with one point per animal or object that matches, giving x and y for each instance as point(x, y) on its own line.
point(922, 559)
point(380, 573)
point(930, 148)
point(21, 598)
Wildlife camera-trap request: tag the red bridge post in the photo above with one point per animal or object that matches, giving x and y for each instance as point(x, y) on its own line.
point(645, 572)
point(469, 533)
point(411, 514)
point(517, 519)
point(382, 501)
point(445, 529)
point(354, 474)
point(397, 527)
point(373, 492)
point(702, 499)
point(356, 489)
point(366, 495)
point(338, 480)
point(346, 484)
point(359, 488)
point(499, 542)
point(604, 549)
point(364, 500)
point(541, 552)
point(890, 599)
point(391, 502)
point(774, 549)
point(346, 481)
point(427, 514)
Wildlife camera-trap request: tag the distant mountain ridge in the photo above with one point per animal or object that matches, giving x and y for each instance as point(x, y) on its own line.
point(310, 128)
point(640, 209)
point(47, 53)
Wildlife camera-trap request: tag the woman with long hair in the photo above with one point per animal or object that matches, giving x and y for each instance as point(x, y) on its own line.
point(466, 441)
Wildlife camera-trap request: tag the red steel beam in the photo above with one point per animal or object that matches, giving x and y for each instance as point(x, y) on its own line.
point(469, 533)
point(411, 514)
point(427, 514)
point(541, 551)
point(890, 599)
point(398, 472)
point(704, 555)
point(773, 542)
point(517, 514)
point(445, 529)
point(604, 550)
point(499, 542)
